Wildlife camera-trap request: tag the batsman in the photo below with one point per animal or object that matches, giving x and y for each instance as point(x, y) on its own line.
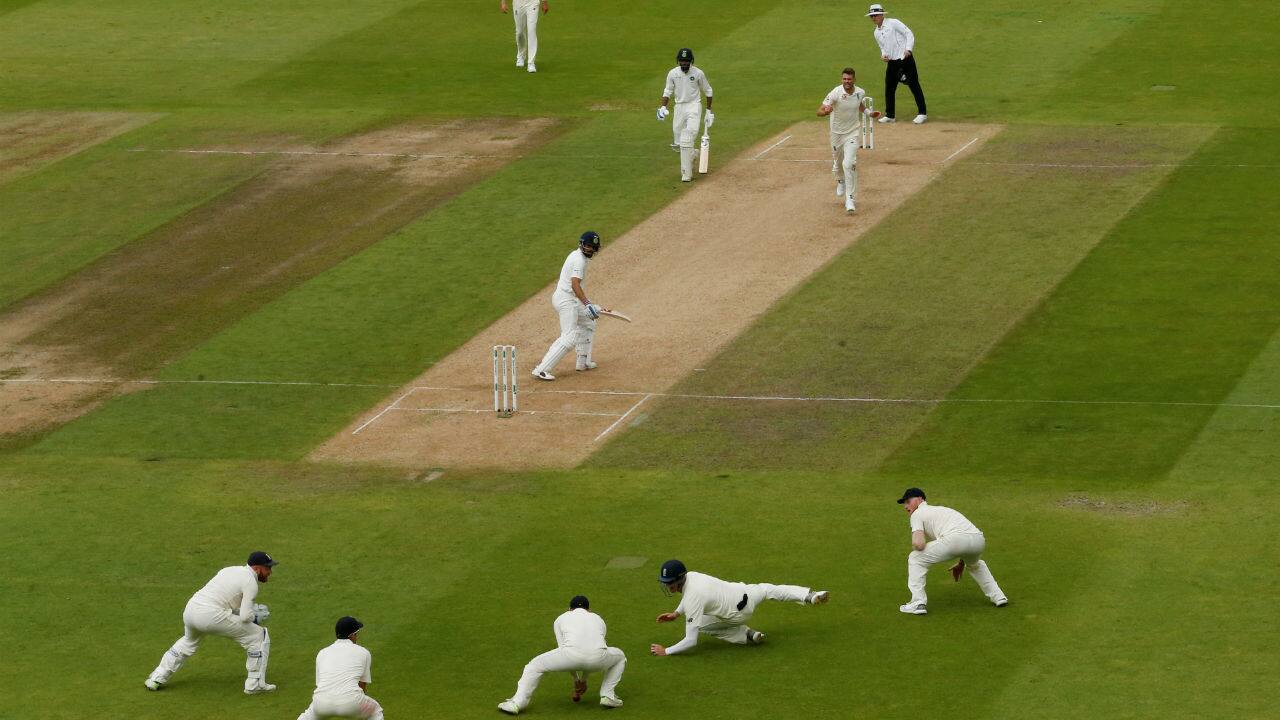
point(577, 314)
point(687, 84)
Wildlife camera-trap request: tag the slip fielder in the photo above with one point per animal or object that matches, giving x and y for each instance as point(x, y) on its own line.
point(721, 609)
point(687, 84)
point(843, 105)
point(577, 314)
point(342, 675)
point(580, 648)
point(225, 606)
point(939, 534)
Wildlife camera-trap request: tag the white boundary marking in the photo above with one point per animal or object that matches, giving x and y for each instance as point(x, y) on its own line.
point(625, 415)
point(520, 412)
point(766, 150)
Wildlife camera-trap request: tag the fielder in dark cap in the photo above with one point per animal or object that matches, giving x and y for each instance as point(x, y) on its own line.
point(939, 534)
point(581, 648)
point(342, 674)
point(719, 608)
point(225, 606)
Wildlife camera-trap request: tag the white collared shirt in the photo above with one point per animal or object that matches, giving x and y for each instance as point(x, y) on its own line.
point(686, 87)
point(575, 266)
point(341, 667)
point(844, 109)
point(938, 522)
point(894, 39)
point(233, 588)
point(580, 629)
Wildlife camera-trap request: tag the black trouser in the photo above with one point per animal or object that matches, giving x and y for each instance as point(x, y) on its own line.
point(897, 71)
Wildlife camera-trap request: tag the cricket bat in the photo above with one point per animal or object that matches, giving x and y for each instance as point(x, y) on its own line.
point(614, 314)
point(704, 153)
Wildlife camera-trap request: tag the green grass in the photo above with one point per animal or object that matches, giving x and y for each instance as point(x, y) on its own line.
point(1116, 529)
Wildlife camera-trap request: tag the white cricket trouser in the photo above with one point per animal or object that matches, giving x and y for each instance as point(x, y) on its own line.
point(351, 705)
point(733, 627)
point(844, 161)
point(967, 547)
point(685, 119)
point(577, 329)
point(526, 14)
point(200, 621)
point(611, 661)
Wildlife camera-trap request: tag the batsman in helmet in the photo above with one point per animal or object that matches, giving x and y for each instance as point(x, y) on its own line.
point(687, 85)
point(577, 314)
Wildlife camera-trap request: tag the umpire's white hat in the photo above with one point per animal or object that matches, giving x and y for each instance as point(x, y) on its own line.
point(876, 9)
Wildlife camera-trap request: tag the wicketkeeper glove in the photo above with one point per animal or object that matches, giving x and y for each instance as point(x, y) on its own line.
point(663, 112)
point(593, 310)
point(260, 614)
point(711, 117)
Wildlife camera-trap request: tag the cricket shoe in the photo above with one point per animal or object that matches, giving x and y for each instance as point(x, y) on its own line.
point(849, 206)
point(818, 597)
point(259, 689)
point(152, 685)
point(543, 375)
point(886, 119)
point(588, 365)
point(519, 62)
point(840, 189)
point(533, 68)
point(919, 119)
point(610, 702)
point(1001, 602)
point(509, 707)
point(914, 608)
point(754, 637)
point(686, 178)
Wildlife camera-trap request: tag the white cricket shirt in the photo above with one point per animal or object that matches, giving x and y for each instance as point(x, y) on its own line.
point(894, 39)
point(686, 87)
point(844, 109)
point(938, 522)
point(341, 667)
point(575, 266)
point(233, 588)
point(706, 595)
point(580, 629)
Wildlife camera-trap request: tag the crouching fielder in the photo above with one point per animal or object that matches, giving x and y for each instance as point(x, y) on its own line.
point(939, 534)
point(843, 105)
point(225, 606)
point(721, 609)
point(581, 648)
point(577, 314)
point(342, 674)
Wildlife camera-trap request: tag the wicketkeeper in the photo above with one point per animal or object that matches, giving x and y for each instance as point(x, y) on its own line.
point(225, 606)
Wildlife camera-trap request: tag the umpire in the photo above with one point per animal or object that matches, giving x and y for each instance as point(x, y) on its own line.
point(896, 44)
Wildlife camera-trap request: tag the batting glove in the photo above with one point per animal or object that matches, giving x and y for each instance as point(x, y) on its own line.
point(663, 112)
point(711, 117)
point(593, 310)
point(260, 614)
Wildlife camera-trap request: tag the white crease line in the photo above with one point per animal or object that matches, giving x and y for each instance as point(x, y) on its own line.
point(624, 417)
point(385, 410)
point(1119, 166)
point(966, 146)
point(520, 412)
point(766, 150)
point(412, 156)
point(117, 381)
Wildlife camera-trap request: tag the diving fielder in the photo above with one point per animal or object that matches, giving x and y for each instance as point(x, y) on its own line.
point(721, 609)
point(580, 648)
point(939, 534)
point(525, 13)
point(843, 105)
point(687, 84)
point(225, 606)
point(342, 674)
point(577, 314)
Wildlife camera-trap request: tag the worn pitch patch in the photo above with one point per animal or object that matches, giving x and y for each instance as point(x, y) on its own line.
point(155, 299)
point(30, 140)
point(692, 277)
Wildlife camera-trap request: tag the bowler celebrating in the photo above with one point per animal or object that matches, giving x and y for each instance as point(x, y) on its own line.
point(843, 105)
